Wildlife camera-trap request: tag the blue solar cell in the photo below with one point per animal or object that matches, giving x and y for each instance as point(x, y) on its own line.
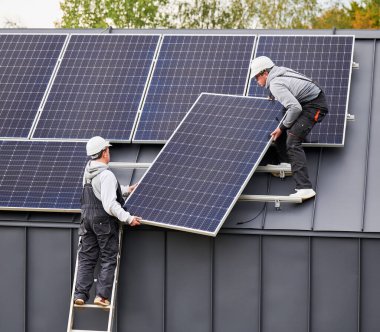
point(26, 65)
point(187, 66)
point(325, 59)
point(98, 87)
point(203, 168)
point(41, 175)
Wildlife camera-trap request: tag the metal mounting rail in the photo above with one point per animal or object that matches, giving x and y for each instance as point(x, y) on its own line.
point(281, 171)
point(260, 169)
point(270, 198)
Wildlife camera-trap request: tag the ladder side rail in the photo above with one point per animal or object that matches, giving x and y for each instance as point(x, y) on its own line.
point(115, 283)
point(71, 311)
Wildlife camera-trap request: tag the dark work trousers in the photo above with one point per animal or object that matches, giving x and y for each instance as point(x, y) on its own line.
point(289, 144)
point(99, 241)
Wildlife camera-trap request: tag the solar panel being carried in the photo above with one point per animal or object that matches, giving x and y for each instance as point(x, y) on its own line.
point(202, 170)
point(188, 65)
point(27, 62)
point(98, 87)
point(325, 59)
point(41, 175)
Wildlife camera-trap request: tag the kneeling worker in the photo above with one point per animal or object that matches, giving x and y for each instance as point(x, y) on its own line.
point(102, 209)
point(305, 105)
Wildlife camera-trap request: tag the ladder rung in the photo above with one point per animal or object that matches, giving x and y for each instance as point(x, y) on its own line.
point(88, 331)
point(93, 306)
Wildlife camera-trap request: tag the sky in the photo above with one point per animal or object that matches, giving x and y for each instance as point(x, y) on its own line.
point(30, 13)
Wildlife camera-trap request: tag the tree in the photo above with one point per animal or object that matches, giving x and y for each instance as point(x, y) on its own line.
point(288, 14)
point(333, 17)
point(209, 14)
point(10, 24)
point(188, 14)
point(231, 14)
point(364, 15)
point(117, 13)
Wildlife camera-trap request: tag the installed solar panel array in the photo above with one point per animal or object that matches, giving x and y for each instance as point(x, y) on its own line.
point(26, 65)
point(201, 171)
point(98, 88)
point(325, 59)
point(186, 67)
point(41, 175)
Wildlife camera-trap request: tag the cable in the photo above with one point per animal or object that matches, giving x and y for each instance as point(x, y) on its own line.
point(255, 217)
point(262, 209)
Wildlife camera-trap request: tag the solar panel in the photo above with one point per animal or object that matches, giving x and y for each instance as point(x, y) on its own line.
point(98, 87)
point(325, 59)
point(200, 173)
point(41, 175)
point(188, 65)
point(27, 62)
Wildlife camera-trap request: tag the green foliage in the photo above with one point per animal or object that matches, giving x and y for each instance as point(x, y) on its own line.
point(210, 14)
point(288, 14)
point(117, 13)
point(333, 17)
point(364, 15)
point(219, 14)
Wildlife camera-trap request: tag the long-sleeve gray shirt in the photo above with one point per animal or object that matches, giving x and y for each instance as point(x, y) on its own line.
point(290, 89)
point(104, 184)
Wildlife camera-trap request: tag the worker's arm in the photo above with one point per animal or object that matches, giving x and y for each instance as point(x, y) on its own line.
point(287, 99)
point(108, 198)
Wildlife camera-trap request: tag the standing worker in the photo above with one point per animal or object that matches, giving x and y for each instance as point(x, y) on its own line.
point(101, 208)
point(305, 105)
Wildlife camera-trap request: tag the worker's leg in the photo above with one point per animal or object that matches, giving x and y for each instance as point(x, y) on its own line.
point(108, 239)
point(87, 259)
point(296, 135)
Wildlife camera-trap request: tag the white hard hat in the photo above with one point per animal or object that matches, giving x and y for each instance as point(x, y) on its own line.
point(259, 64)
point(95, 145)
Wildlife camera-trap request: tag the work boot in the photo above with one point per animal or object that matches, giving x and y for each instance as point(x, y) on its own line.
point(79, 301)
point(101, 301)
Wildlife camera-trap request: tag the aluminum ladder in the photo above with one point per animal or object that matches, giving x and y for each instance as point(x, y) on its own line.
point(110, 308)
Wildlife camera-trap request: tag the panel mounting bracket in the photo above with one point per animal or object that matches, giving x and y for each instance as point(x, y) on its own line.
point(355, 65)
point(350, 117)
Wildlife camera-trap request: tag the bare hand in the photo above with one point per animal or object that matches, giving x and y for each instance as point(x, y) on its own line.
point(276, 133)
point(136, 221)
point(132, 188)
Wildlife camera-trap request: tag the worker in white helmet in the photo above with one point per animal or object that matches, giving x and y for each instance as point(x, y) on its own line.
point(305, 105)
point(102, 209)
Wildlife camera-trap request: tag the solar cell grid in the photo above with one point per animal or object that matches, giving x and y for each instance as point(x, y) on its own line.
point(98, 87)
point(26, 65)
point(188, 65)
point(41, 175)
point(201, 171)
point(325, 59)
